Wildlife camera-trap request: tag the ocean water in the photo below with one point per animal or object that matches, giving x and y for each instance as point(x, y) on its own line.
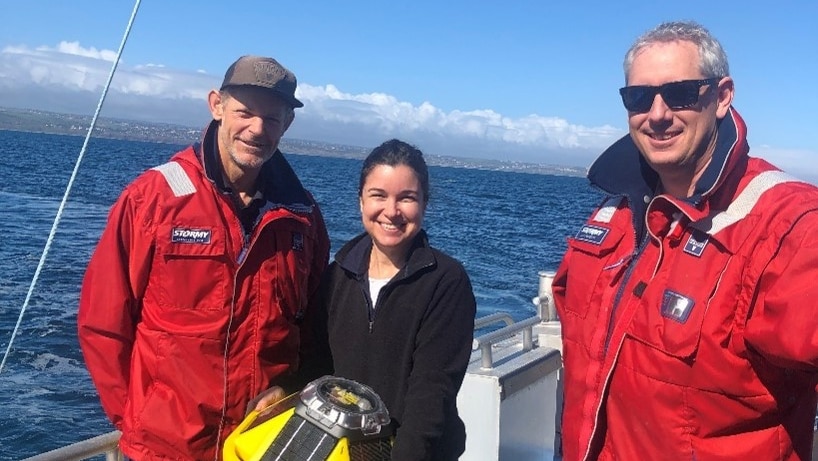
point(503, 226)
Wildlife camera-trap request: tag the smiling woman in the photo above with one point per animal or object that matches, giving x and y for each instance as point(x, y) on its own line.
point(400, 314)
point(394, 193)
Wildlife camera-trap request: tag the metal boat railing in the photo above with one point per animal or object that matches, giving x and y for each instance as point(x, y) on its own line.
point(482, 322)
point(105, 444)
point(546, 315)
point(486, 341)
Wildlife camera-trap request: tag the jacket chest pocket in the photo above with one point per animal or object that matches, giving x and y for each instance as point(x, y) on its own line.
point(594, 268)
point(694, 294)
point(191, 269)
point(286, 267)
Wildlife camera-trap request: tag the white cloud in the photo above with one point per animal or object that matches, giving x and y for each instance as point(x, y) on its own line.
point(71, 67)
point(391, 116)
point(69, 78)
point(329, 113)
point(75, 49)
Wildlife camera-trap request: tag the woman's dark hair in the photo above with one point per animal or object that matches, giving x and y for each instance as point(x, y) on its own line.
point(393, 153)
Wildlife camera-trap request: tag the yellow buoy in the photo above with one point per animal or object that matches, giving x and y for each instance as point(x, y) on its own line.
point(331, 419)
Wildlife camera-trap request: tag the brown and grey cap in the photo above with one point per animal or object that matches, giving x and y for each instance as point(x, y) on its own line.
point(265, 73)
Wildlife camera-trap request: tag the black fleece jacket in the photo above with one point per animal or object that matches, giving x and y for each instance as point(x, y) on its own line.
point(412, 347)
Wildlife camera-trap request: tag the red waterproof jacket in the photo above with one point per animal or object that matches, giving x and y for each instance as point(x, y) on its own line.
point(182, 320)
point(690, 327)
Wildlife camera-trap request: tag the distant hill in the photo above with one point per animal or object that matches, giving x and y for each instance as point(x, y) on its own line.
point(77, 125)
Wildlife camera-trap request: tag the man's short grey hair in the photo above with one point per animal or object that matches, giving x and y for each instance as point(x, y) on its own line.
point(713, 59)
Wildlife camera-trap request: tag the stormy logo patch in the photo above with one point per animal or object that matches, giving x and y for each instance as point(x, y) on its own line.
point(676, 306)
point(184, 235)
point(592, 234)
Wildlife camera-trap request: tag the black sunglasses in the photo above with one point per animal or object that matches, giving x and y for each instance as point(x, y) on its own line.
point(677, 95)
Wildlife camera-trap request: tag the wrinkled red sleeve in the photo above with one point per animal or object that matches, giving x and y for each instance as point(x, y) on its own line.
point(110, 300)
point(783, 319)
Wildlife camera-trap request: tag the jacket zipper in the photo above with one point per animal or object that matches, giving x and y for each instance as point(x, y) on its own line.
point(247, 242)
point(370, 305)
point(370, 310)
point(621, 290)
point(634, 258)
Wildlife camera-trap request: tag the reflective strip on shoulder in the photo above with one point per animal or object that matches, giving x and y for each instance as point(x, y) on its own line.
point(744, 203)
point(607, 210)
point(177, 178)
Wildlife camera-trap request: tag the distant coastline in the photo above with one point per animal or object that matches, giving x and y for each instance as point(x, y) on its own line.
point(38, 121)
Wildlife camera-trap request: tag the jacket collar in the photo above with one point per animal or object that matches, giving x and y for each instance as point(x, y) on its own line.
point(622, 171)
point(278, 183)
point(353, 257)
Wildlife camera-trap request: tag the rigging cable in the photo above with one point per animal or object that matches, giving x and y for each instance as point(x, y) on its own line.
point(70, 183)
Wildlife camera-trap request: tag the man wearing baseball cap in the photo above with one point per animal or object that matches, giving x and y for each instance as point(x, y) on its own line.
point(196, 297)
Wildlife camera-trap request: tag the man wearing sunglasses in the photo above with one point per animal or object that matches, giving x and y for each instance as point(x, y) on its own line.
point(687, 299)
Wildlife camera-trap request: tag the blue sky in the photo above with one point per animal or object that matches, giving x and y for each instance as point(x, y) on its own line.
point(519, 80)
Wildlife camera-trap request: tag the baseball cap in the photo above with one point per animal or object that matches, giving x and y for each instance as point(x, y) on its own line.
point(265, 73)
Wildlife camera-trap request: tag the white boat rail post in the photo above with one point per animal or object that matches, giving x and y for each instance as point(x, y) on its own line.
point(549, 331)
point(545, 297)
